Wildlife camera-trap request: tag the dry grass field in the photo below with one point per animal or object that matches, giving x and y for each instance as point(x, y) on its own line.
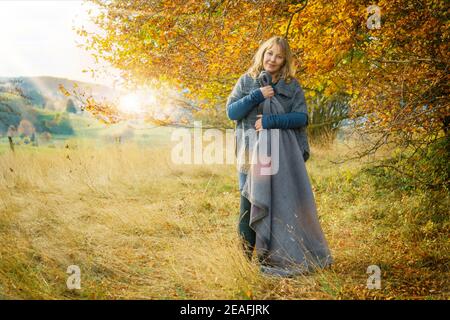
point(140, 227)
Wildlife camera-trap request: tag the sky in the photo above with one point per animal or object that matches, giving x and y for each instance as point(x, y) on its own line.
point(37, 39)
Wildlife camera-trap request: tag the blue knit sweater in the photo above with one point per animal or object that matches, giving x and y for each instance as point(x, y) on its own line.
point(240, 108)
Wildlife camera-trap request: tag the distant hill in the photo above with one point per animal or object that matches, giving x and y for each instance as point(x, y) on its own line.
point(44, 91)
point(39, 100)
point(14, 109)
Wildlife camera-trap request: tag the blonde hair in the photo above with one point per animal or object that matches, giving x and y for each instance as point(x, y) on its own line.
point(287, 71)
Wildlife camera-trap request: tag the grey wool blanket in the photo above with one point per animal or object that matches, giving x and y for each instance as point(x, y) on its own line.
point(289, 238)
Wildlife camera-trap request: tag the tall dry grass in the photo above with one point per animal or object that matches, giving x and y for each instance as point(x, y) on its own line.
point(141, 227)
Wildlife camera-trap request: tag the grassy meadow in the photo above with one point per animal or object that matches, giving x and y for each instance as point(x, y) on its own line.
point(140, 227)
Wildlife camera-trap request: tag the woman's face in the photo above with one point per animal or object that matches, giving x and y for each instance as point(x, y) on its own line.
point(273, 59)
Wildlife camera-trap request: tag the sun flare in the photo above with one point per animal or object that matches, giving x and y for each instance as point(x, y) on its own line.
point(131, 103)
point(137, 102)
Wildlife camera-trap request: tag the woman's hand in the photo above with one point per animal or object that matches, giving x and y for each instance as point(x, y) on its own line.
point(267, 92)
point(258, 123)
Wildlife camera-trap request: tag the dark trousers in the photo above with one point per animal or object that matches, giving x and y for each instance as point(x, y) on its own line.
point(247, 234)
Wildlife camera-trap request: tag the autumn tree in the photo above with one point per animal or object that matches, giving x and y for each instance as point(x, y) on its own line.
point(70, 106)
point(391, 76)
point(201, 46)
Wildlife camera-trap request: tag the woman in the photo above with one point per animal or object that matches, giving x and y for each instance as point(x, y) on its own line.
point(278, 215)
